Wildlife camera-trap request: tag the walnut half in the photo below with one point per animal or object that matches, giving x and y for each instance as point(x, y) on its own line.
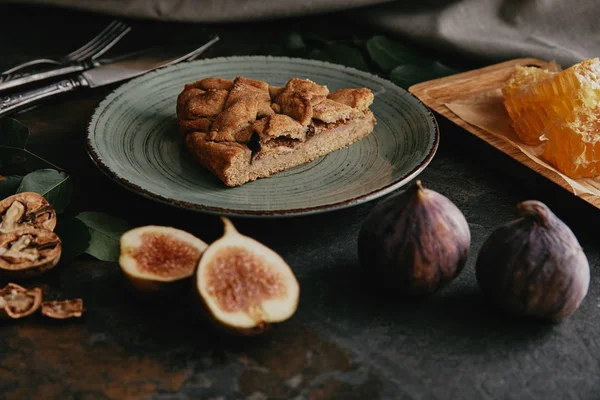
point(26, 210)
point(28, 252)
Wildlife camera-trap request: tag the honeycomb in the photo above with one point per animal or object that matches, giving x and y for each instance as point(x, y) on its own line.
point(528, 120)
point(561, 109)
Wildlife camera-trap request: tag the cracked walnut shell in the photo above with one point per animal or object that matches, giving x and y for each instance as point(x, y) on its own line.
point(28, 252)
point(18, 302)
point(26, 210)
point(63, 309)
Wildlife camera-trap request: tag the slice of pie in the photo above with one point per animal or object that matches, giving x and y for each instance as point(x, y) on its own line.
point(245, 129)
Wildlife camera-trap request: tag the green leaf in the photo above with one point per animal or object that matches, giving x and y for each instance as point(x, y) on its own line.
point(272, 49)
point(13, 134)
point(294, 42)
point(14, 137)
point(388, 54)
point(9, 185)
point(314, 37)
point(55, 186)
point(105, 232)
point(408, 75)
point(442, 70)
point(341, 54)
point(75, 237)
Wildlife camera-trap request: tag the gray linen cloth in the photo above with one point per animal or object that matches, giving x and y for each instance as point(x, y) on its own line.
point(484, 30)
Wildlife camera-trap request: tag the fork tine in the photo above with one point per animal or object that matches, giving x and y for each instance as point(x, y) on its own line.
point(102, 42)
point(105, 43)
point(202, 49)
point(111, 43)
point(74, 54)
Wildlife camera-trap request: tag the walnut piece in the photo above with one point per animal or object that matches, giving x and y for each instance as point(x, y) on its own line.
point(26, 210)
point(28, 252)
point(63, 309)
point(18, 302)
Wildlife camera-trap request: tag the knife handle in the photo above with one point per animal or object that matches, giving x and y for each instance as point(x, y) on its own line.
point(24, 79)
point(16, 101)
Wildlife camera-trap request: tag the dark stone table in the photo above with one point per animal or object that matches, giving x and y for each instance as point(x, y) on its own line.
point(345, 341)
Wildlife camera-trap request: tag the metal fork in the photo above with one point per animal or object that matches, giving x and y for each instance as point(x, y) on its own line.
point(93, 49)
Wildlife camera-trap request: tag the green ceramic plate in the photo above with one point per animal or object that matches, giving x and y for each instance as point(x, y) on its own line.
point(133, 138)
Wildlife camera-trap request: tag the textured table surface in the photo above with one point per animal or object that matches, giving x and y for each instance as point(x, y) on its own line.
point(346, 341)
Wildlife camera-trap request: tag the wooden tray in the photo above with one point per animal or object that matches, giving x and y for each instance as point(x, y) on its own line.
point(437, 92)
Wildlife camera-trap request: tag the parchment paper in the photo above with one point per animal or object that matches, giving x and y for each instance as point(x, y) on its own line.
point(486, 111)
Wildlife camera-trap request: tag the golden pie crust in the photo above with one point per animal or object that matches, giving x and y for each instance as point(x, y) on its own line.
point(245, 129)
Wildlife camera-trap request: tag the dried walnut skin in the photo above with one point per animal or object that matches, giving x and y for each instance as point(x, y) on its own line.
point(415, 242)
point(534, 266)
point(34, 211)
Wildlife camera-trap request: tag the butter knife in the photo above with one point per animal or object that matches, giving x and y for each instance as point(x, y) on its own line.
point(124, 68)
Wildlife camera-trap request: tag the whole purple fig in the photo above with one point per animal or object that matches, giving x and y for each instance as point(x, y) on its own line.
point(415, 241)
point(534, 265)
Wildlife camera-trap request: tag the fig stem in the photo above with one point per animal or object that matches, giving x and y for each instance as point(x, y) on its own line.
point(229, 227)
point(419, 191)
point(535, 210)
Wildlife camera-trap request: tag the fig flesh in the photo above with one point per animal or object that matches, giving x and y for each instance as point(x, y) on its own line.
point(63, 309)
point(154, 258)
point(28, 252)
point(18, 302)
point(414, 242)
point(245, 286)
point(26, 210)
point(534, 266)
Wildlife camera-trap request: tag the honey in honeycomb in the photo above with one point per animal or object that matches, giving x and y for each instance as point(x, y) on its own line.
point(561, 109)
point(528, 121)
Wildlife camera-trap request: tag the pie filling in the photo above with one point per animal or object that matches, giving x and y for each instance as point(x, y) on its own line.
point(257, 146)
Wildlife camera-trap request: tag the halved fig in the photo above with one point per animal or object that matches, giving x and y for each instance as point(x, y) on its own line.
point(18, 302)
point(156, 257)
point(26, 210)
point(28, 252)
point(63, 309)
point(245, 286)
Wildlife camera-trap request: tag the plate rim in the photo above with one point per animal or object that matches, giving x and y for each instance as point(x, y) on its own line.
point(364, 198)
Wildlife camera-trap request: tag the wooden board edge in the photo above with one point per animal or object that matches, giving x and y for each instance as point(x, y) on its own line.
point(468, 75)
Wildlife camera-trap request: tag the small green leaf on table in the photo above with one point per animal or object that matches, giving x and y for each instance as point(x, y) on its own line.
point(105, 233)
point(290, 44)
point(9, 185)
point(75, 237)
point(14, 138)
point(294, 42)
point(313, 37)
point(408, 75)
point(341, 54)
point(13, 134)
point(388, 54)
point(55, 186)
